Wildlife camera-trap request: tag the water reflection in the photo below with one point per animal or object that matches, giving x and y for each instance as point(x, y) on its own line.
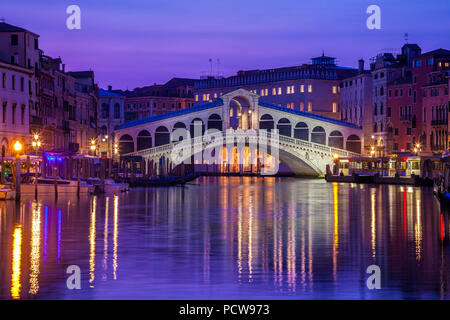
point(229, 237)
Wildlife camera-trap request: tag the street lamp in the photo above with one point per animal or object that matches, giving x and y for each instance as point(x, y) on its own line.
point(16, 178)
point(36, 143)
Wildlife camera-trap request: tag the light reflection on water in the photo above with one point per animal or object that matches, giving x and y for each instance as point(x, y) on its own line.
point(228, 238)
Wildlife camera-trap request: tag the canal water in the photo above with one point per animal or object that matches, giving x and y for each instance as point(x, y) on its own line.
point(229, 238)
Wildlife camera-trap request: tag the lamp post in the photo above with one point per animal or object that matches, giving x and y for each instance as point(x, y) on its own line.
point(17, 148)
point(93, 146)
point(36, 143)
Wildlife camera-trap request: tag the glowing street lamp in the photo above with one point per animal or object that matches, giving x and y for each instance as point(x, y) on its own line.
point(17, 147)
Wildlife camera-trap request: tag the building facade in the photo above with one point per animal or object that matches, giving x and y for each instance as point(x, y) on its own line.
point(154, 100)
point(355, 102)
point(310, 87)
point(14, 98)
point(111, 116)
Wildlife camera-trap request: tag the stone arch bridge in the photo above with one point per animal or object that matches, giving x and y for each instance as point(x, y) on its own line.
point(305, 143)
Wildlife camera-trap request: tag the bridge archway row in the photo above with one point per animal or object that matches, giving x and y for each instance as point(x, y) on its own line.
point(311, 132)
point(157, 134)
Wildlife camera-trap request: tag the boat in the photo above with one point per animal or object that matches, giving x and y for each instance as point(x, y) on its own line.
point(108, 186)
point(47, 186)
point(7, 193)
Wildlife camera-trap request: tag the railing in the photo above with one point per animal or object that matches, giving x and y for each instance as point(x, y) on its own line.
point(289, 140)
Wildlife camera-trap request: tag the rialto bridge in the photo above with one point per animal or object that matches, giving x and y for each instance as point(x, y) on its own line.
point(305, 142)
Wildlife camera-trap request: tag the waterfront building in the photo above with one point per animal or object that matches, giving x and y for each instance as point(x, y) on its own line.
point(83, 113)
point(157, 99)
point(309, 87)
point(402, 121)
point(111, 116)
point(386, 69)
point(355, 102)
point(15, 101)
point(19, 47)
point(428, 77)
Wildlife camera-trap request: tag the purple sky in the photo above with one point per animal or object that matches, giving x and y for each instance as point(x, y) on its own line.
point(139, 42)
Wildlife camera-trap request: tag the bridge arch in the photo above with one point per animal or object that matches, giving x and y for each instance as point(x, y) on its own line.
point(126, 144)
point(301, 131)
point(196, 122)
point(353, 144)
point(215, 122)
point(336, 139)
point(143, 140)
point(266, 122)
point(284, 127)
point(162, 136)
point(318, 135)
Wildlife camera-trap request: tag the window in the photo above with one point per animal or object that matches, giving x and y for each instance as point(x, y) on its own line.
point(310, 88)
point(274, 91)
point(302, 106)
point(389, 111)
point(13, 82)
point(290, 90)
point(396, 131)
point(334, 90)
point(36, 44)
point(4, 112)
point(279, 90)
point(22, 114)
point(395, 146)
point(418, 63)
point(309, 106)
point(196, 98)
point(334, 107)
point(14, 40)
point(302, 88)
point(408, 131)
point(3, 80)
point(22, 84)
point(429, 61)
point(14, 114)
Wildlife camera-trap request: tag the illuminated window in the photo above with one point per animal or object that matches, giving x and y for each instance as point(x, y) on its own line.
point(310, 88)
point(274, 91)
point(334, 89)
point(266, 92)
point(309, 106)
point(279, 91)
point(334, 107)
point(215, 95)
point(290, 89)
point(231, 112)
point(302, 88)
point(262, 92)
point(302, 106)
point(196, 97)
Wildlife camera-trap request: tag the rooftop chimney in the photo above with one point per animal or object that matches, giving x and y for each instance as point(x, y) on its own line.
point(361, 65)
point(109, 88)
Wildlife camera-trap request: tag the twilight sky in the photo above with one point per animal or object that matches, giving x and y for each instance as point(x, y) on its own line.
point(139, 42)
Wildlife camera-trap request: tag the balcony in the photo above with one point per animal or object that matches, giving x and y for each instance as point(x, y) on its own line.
point(439, 122)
